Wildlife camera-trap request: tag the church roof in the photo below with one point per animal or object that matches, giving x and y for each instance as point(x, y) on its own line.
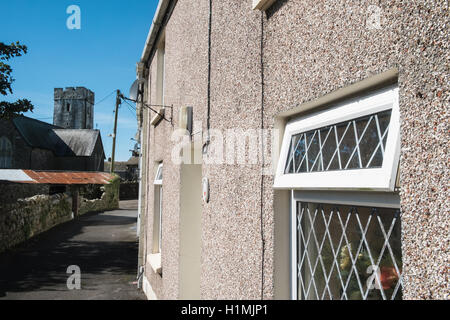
point(79, 142)
point(62, 142)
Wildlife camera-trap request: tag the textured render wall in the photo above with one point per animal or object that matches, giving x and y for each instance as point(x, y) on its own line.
point(311, 49)
point(231, 225)
point(31, 216)
point(185, 85)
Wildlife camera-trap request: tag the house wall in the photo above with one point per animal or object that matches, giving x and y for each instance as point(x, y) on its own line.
point(311, 50)
point(301, 51)
point(186, 50)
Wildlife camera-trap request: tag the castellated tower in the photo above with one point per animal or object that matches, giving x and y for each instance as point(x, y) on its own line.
point(74, 108)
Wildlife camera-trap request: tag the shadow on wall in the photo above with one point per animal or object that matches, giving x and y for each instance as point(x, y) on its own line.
point(275, 7)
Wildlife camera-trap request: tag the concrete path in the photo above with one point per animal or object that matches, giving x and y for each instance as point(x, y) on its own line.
point(103, 245)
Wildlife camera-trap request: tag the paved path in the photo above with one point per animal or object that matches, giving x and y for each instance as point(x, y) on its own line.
point(103, 245)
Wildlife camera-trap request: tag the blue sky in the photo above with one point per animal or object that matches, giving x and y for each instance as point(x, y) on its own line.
point(101, 56)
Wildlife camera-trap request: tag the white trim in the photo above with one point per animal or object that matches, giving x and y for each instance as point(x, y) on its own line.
point(148, 290)
point(154, 260)
point(359, 199)
point(374, 179)
point(293, 247)
point(158, 171)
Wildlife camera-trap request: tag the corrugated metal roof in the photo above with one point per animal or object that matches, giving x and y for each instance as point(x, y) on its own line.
point(14, 175)
point(55, 177)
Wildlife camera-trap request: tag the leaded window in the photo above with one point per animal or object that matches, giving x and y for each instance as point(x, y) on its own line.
point(354, 144)
point(345, 238)
point(6, 153)
point(348, 252)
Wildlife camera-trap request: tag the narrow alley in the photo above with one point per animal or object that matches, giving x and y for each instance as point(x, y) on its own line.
point(103, 245)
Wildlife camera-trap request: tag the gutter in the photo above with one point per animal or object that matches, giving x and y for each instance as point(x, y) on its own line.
point(157, 23)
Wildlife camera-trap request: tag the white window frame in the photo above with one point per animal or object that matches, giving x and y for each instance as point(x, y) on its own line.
point(360, 199)
point(371, 179)
point(154, 259)
point(159, 182)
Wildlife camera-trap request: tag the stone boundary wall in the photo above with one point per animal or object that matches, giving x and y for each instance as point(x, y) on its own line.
point(129, 191)
point(11, 192)
point(108, 201)
point(29, 217)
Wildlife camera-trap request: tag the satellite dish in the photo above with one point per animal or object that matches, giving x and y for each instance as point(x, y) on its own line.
point(134, 90)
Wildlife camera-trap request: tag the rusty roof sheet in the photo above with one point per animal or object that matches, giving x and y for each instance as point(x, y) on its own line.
point(64, 177)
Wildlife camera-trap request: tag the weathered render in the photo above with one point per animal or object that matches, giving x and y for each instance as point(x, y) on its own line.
point(240, 68)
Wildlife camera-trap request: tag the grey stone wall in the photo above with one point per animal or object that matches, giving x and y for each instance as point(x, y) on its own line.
point(74, 108)
point(21, 150)
point(29, 217)
point(109, 199)
point(22, 219)
point(129, 190)
point(11, 192)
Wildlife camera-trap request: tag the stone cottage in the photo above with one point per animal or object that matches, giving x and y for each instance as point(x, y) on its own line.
point(298, 150)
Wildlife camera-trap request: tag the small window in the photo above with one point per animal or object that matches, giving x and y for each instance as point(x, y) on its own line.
point(158, 176)
point(5, 153)
point(68, 107)
point(353, 145)
point(158, 208)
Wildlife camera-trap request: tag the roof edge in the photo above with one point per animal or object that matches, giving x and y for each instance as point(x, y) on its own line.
point(157, 21)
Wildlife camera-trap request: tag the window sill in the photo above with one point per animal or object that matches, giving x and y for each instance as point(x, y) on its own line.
point(155, 262)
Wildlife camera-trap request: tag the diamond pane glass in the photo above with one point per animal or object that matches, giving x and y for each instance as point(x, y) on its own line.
point(348, 253)
point(354, 144)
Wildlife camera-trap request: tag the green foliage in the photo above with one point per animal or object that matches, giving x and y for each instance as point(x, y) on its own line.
point(11, 109)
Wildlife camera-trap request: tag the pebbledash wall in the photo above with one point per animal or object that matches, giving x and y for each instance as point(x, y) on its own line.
point(27, 217)
point(263, 63)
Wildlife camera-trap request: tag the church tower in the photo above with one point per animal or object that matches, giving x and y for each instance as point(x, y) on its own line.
point(74, 108)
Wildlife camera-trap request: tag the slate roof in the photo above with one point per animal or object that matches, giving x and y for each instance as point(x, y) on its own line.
point(80, 142)
point(62, 142)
